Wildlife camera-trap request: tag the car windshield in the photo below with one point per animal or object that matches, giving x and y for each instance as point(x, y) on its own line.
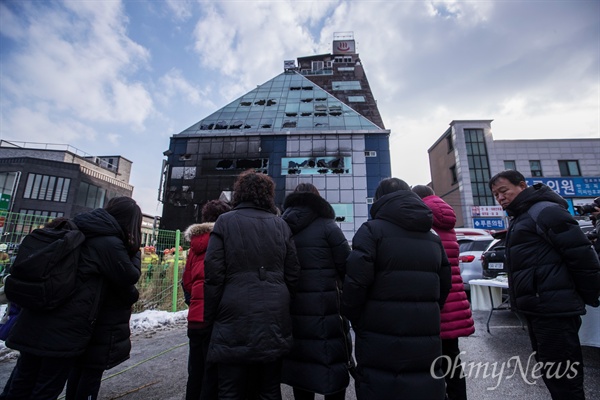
point(473, 245)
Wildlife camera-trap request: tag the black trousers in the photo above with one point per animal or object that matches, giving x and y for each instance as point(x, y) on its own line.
point(256, 381)
point(40, 378)
point(556, 343)
point(202, 383)
point(456, 385)
point(83, 383)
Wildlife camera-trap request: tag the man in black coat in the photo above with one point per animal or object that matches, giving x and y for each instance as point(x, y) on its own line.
point(553, 273)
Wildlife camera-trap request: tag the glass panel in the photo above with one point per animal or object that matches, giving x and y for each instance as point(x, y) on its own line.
point(29, 186)
point(43, 187)
point(58, 191)
point(90, 201)
point(36, 186)
point(65, 191)
point(51, 183)
point(82, 194)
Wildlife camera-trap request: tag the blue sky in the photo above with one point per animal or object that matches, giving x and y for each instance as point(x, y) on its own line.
point(110, 77)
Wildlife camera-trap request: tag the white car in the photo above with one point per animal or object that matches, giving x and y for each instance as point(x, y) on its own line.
point(469, 257)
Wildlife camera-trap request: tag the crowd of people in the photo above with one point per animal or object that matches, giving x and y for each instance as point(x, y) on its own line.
point(273, 295)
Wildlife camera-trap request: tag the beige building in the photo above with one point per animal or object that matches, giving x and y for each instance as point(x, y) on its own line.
point(466, 156)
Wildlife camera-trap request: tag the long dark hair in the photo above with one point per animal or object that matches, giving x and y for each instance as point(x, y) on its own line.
point(129, 217)
point(254, 187)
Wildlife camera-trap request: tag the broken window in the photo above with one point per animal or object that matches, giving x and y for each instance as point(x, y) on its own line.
point(259, 164)
point(316, 165)
point(289, 124)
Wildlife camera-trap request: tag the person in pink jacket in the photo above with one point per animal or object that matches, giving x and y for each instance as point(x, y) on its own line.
point(456, 318)
point(202, 377)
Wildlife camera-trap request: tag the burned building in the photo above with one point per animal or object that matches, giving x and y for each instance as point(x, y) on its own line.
point(315, 122)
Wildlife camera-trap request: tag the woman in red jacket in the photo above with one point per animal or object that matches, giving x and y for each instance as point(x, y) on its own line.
point(202, 378)
point(456, 314)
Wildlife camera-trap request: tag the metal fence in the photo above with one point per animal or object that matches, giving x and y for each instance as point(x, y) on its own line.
point(163, 260)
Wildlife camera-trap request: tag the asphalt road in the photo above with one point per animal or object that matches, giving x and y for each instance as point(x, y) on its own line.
point(157, 367)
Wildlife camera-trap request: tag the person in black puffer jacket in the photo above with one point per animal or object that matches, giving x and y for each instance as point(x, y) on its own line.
point(110, 343)
point(251, 269)
point(397, 280)
point(553, 272)
point(51, 342)
point(321, 354)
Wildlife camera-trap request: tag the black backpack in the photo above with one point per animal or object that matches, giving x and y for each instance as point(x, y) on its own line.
point(44, 273)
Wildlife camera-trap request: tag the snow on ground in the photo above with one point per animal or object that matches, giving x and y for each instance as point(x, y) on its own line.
point(149, 320)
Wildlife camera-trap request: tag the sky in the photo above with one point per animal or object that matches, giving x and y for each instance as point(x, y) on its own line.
point(122, 77)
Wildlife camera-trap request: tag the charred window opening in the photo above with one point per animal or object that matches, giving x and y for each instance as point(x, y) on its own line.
point(316, 165)
point(289, 124)
point(335, 113)
point(221, 125)
point(246, 103)
point(307, 88)
point(259, 164)
point(236, 125)
point(185, 157)
point(320, 114)
point(320, 98)
point(271, 102)
point(306, 100)
point(291, 114)
point(260, 102)
point(266, 126)
point(295, 87)
point(321, 125)
point(306, 114)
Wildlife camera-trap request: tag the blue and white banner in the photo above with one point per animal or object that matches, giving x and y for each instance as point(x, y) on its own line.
point(570, 187)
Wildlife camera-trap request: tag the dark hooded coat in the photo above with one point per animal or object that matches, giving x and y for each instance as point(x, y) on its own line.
point(100, 307)
point(319, 356)
point(251, 269)
point(397, 279)
point(553, 269)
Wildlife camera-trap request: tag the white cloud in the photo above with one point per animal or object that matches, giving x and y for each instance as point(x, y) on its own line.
point(174, 85)
point(77, 59)
point(182, 9)
point(37, 124)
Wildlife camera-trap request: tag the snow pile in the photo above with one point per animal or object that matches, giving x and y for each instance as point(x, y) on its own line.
point(149, 320)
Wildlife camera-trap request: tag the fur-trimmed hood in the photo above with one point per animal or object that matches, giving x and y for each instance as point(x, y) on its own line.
point(198, 229)
point(301, 208)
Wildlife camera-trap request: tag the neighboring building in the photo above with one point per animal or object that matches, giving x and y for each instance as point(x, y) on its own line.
point(316, 122)
point(57, 180)
point(466, 156)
